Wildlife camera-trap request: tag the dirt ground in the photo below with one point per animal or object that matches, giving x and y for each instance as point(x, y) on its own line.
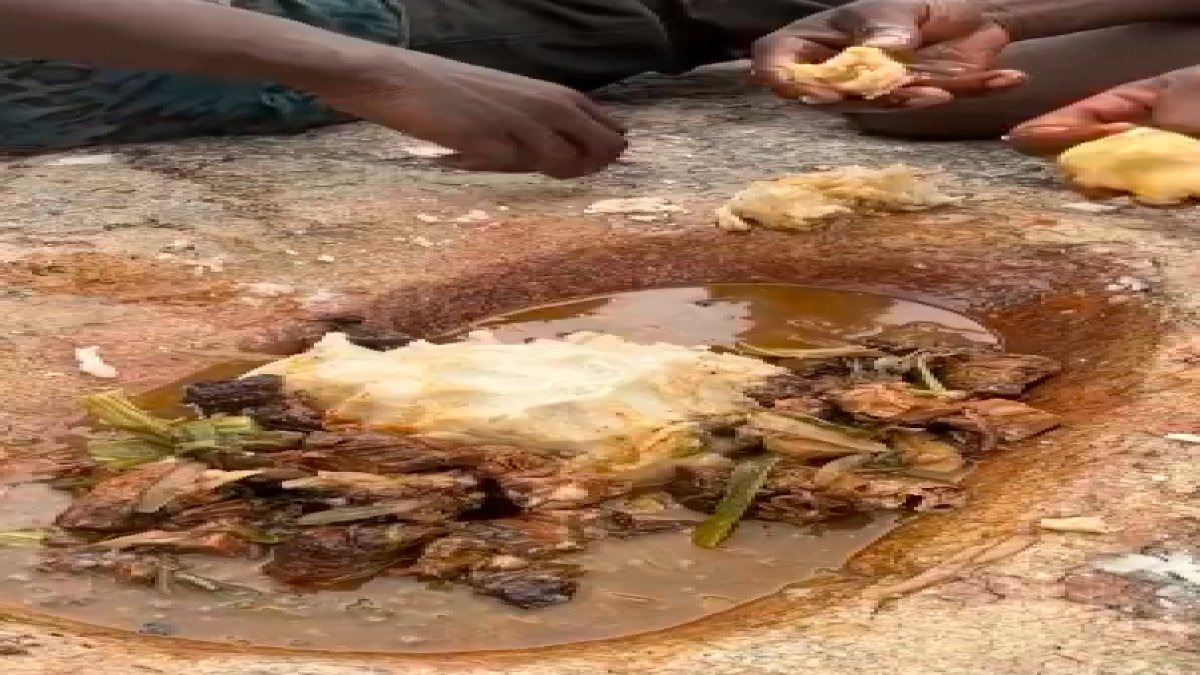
point(176, 256)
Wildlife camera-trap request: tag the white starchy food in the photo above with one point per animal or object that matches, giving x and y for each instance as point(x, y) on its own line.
point(597, 399)
point(1155, 166)
point(802, 201)
point(867, 72)
point(90, 363)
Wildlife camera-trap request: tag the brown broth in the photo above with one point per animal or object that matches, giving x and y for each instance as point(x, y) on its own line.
point(633, 586)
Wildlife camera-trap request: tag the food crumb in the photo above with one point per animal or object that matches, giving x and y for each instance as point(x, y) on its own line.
point(1077, 524)
point(90, 363)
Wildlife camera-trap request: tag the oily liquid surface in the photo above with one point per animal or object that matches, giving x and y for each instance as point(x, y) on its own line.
point(634, 586)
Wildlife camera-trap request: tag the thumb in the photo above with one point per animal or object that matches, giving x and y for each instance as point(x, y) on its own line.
point(894, 28)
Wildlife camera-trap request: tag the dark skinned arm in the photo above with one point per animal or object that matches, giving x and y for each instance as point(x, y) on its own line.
point(1029, 19)
point(496, 121)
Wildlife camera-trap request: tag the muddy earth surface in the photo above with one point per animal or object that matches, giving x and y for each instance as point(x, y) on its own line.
point(174, 257)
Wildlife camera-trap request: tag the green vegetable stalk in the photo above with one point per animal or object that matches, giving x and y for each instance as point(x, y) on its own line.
point(744, 484)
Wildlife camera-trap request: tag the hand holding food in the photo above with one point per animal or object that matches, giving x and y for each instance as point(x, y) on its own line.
point(949, 48)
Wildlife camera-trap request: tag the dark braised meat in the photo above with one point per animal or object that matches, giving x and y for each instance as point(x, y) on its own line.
point(996, 374)
point(885, 401)
point(231, 397)
point(791, 495)
point(261, 397)
point(1012, 420)
point(337, 556)
point(200, 540)
point(111, 506)
point(532, 587)
point(536, 481)
point(370, 452)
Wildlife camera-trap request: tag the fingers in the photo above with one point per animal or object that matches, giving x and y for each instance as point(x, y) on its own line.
point(1111, 112)
point(889, 26)
point(772, 55)
point(561, 141)
point(931, 90)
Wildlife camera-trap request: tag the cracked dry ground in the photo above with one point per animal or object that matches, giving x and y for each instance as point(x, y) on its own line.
point(173, 257)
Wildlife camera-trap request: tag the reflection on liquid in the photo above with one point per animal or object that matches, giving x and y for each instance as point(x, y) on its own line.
point(769, 315)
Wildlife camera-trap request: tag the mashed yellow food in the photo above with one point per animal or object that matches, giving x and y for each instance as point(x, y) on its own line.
point(597, 399)
point(804, 201)
point(861, 71)
point(1155, 166)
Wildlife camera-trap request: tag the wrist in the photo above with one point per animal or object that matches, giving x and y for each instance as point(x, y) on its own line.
point(338, 63)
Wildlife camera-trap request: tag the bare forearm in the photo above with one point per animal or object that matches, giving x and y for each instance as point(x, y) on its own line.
point(186, 36)
point(1028, 19)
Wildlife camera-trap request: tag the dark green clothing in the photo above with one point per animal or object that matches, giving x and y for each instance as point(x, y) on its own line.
point(578, 43)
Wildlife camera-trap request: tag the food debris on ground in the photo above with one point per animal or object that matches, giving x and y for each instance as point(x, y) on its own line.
point(802, 202)
point(1078, 524)
point(90, 363)
point(640, 207)
point(866, 72)
point(1183, 438)
point(346, 462)
point(1155, 166)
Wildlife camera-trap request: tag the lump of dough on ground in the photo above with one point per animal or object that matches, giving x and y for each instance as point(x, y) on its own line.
point(1155, 166)
point(803, 201)
point(862, 71)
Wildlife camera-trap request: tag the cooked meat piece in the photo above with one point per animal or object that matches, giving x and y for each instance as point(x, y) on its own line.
point(537, 481)
point(452, 557)
point(781, 387)
point(530, 536)
point(228, 511)
point(294, 413)
point(619, 524)
point(560, 491)
point(813, 406)
point(334, 556)
point(385, 453)
point(377, 338)
point(1012, 420)
point(997, 374)
point(533, 587)
point(790, 494)
point(111, 506)
point(233, 396)
point(200, 540)
point(923, 336)
point(428, 497)
point(884, 400)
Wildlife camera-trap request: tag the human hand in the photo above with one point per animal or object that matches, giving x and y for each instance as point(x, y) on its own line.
point(950, 46)
point(1170, 101)
point(494, 121)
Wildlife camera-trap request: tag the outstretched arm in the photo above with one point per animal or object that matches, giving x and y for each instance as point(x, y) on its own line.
point(496, 121)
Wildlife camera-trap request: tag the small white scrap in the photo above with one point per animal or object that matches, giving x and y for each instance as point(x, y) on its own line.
point(83, 160)
point(426, 218)
point(267, 289)
point(325, 259)
point(427, 150)
point(90, 363)
point(1168, 567)
point(1184, 438)
point(1092, 207)
point(1077, 524)
point(658, 207)
point(1131, 284)
point(473, 216)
